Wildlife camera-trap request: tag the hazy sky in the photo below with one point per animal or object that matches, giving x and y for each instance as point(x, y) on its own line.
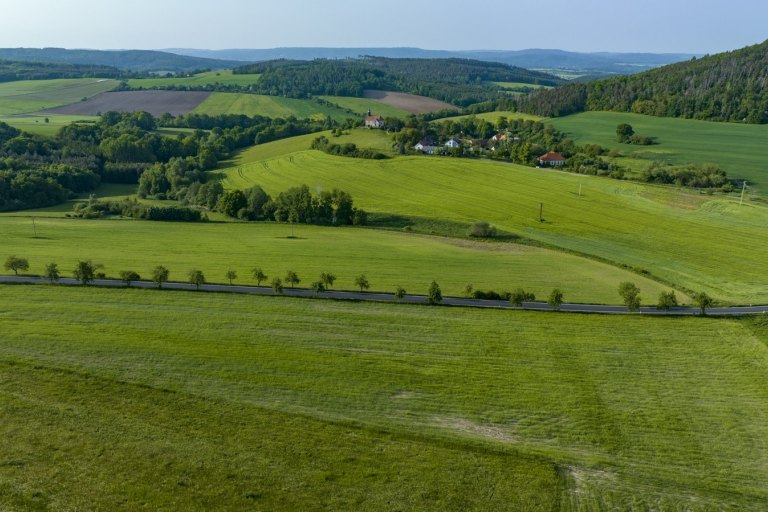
point(691, 26)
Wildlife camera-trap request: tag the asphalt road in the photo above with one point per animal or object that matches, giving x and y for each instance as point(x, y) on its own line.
point(388, 297)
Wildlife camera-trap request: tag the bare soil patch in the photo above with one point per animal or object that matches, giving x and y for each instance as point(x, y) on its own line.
point(156, 103)
point(409, 102)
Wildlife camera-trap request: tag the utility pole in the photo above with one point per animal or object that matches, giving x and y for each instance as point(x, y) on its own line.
point(541, 212)
point(743, 189)
point(34, 227)
point(579, 189)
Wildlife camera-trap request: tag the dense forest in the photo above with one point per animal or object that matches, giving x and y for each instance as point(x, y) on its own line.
point(15, 70)
point(730, 86)
point(461, 82)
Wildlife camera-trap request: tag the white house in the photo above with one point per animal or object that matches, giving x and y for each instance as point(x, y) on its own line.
point(427, 146)
point(453, 143)
point(372, 121)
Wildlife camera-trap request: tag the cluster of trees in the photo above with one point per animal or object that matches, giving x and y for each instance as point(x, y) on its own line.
point(94, 209)
point(626, 135)
point(699, 176)
point(348, 149)
point(724, 87)
point(38, 171)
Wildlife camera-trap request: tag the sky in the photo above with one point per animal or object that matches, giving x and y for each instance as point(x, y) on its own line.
point(659, 26)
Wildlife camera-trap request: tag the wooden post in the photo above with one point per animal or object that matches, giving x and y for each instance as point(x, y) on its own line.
point(541, 212)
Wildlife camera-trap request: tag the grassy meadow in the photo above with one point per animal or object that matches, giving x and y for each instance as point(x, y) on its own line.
point(695, 241)
point(738, 148)
point(268, 106)
point(27, 96)
point(361, 105)
point(223, 77)
point(35, 123)
point(388, 258)
point(219, 398)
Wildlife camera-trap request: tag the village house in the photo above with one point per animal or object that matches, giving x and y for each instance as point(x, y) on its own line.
point(374, 122)
point(427, 145)
point(453, 144)
point(552, 159)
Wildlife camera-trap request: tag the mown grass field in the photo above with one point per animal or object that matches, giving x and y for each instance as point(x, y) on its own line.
point(389, 259)
point(35, 123)
point(33, 95)
point(268, 106)
point(224, 77)
point(127, 398)
point(361, 105)
point(695, 241)
point(738, 148)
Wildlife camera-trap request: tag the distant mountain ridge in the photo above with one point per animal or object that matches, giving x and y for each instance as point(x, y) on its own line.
point(600, 63)
point(127, 60)
point(730, 86)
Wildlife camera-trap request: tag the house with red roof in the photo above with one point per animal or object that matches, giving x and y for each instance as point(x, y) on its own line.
point(552, 159)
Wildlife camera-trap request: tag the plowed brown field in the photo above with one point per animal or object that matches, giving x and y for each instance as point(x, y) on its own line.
point(155, 102)
point(409, 102)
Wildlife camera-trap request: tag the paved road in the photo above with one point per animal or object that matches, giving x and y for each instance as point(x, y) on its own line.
point(388, 297)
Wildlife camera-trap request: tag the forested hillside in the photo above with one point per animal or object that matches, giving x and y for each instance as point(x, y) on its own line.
point(131, 60)
point(458, 81)
point(729, 86)
point(14, 70)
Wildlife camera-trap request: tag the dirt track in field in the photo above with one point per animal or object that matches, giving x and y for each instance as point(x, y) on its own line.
point(409, 102)
point(156, 103)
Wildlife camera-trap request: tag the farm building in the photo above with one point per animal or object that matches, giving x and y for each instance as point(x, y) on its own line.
point(552, 159)
point(426, 145)
point(372, 121)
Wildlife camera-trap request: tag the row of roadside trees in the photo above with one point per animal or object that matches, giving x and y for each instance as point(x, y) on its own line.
point(86, 272)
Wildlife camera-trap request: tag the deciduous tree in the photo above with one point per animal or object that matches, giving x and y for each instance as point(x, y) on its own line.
point(519, 296)
point(196, 278)
point(258, 275)
point(52, 272)
point(630, 294)
point(434, 294)
point(277, 285)
point(128, 276)
point(667, 300)
point(85, 271)
point(15, 263)
point(160, 275)
point(231, 275)
point(327, 279)
point(362, 282)
point(703, 301)
point(399, 292)
point(292, 278)
point(555, 299)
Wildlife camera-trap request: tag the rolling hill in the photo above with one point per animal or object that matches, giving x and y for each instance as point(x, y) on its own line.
point(724, 87)
point(601, 63)
point(129, 60)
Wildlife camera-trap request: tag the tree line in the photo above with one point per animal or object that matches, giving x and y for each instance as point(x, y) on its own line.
point(86, 272)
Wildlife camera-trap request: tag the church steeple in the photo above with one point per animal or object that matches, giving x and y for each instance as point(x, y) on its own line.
point(369, 111)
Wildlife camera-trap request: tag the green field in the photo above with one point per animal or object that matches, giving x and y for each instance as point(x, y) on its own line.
point(35, 123)
point(694, 241)
point(269, 106)
point(176, 400)
point(389, 259)
point(494, 116)
point(223, 77)
point(737, 148)
point(361, 105)
point(520, 85)
point(33, 95)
